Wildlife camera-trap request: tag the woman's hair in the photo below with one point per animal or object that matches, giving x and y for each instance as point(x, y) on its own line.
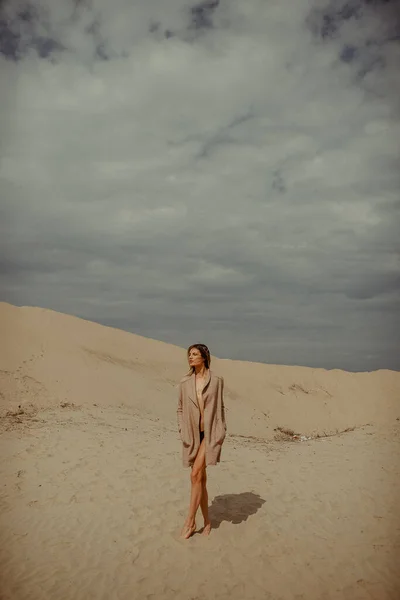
point(205, 353)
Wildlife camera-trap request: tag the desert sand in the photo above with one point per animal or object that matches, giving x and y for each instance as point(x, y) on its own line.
point(93, 492)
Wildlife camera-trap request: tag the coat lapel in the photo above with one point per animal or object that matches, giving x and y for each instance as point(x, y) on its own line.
point(192, 387)
point(208, 379)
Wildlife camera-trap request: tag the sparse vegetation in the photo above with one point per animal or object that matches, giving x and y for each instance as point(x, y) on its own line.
point(297, 387)
point(18, 416)
point(70, 405)
point(15, 413)
point(21, 412)
point(285, 434)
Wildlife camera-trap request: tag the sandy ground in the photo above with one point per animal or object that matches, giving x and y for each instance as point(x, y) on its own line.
point(93, 494)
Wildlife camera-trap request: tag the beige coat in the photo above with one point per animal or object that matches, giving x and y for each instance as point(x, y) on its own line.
point(189, 418)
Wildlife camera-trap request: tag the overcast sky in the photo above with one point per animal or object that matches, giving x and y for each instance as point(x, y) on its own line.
point(224, 172)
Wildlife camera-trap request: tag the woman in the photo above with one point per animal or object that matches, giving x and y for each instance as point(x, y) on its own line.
point(202, 428)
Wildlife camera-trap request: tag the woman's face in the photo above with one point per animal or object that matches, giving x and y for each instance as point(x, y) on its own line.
point(195, 358)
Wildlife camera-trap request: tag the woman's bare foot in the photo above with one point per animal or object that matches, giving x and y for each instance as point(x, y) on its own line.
point(207, 528)
point(188, 530)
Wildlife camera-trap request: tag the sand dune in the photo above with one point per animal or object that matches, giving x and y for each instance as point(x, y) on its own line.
point(93, 494)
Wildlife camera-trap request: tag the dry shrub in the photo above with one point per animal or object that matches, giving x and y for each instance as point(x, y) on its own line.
point(27, 411)
point(69, 405)
point(284, 434)
point(22, 415)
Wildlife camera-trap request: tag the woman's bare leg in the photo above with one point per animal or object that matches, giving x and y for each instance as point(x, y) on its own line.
point(196, 478)
point(204, 504)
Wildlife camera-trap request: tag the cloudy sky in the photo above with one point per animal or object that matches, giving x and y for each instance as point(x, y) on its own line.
point(222, 171)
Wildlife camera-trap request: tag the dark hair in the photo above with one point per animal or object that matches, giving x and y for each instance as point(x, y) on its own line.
point(205, 353)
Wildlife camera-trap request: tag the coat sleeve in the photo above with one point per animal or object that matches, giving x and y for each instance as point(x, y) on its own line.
point(179, 410)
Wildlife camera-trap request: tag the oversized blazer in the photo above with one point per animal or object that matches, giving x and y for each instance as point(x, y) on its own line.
point(188, 414)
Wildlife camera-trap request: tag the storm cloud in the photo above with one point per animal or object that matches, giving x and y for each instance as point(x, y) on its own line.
point(225, 172)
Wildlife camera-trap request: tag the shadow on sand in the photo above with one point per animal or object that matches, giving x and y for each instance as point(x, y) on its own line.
point(234, 508)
